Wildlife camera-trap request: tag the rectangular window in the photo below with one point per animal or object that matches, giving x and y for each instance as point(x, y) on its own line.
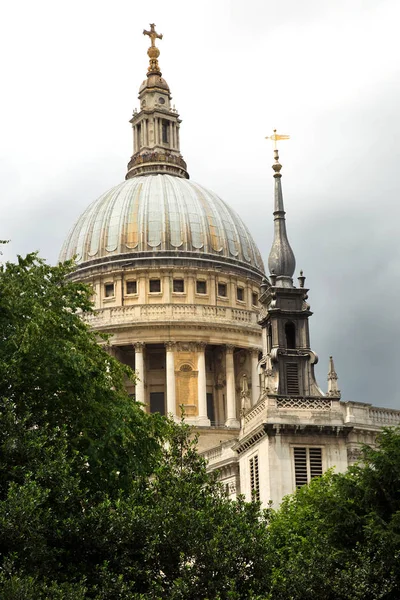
point(157, 403)
point(201, 287)
point(254, 479)
point(222, 290)
point(240, 294)
point(254, 299)
point(131, 287)
point(307, 464)
point(178, 285)
point(109, 290)
point(155, 285)
point(292, 379)
point(165, 132)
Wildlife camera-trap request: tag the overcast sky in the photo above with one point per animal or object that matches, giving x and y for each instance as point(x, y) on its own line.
point(325, 72)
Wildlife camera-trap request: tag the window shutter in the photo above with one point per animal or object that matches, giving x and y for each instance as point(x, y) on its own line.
point(254, 479)
point(307, 464)
point(292, 379)
point(315, 462)
point(300, 466)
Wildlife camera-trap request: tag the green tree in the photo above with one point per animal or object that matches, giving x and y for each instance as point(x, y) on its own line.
point(97, 499)
point(55, 374)
point(339, 537)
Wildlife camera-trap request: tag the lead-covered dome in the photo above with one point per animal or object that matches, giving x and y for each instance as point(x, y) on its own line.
point(161, 214)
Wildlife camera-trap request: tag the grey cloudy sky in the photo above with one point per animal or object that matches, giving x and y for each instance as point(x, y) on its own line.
point(327, 73)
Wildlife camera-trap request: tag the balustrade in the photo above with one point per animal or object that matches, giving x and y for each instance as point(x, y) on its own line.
point(106, 317)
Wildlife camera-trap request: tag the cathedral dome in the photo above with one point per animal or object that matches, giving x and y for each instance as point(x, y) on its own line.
point(161, 215)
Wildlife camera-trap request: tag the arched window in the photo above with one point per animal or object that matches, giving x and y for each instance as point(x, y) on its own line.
point(290, 334)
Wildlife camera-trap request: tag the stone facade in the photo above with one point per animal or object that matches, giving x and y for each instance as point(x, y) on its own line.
point(179, 285)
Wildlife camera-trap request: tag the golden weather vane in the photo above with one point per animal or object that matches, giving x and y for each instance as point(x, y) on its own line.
point(277, 136)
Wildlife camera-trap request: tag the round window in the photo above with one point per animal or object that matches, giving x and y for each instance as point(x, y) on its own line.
point(161, 100)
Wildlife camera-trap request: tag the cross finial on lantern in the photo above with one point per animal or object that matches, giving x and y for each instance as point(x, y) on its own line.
point(152, 34)
point(153, 52)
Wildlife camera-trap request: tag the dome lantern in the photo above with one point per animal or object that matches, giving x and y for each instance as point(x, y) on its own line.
point(156, 145)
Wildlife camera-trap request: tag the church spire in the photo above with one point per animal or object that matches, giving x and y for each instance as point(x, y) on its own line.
point(156, 144)
point(281, 261)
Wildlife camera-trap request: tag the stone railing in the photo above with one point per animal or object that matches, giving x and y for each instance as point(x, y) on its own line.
point(384, 416)
point(304, 403)
point(213, 453)
point(124, 315)
point(156, 157)
point(254, 412)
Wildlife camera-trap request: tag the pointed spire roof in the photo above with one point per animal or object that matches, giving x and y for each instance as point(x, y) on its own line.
point(281, 261)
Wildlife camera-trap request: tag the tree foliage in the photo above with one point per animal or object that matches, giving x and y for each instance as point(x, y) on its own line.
point(339, 537)
point(99, 501)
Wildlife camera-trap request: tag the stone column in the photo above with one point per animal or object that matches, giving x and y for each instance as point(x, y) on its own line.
point(231, 420)
point(171, 134)
point(177, 137)
point(139, 368)
point(202, 386)
point(145, 142)
point(171, 396)
point(255, 381)
point(135, 140)
point(156, 131)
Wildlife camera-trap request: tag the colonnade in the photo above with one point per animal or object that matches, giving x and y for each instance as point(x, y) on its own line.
point(142, 134)
point(203, 418)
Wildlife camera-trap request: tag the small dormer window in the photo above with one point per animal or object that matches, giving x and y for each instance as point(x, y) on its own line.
point(178, 286)
point(222, 290)
point(201, 287)
point(240, 294)
point(131, 287)
point(155, 286)
point(109, 290)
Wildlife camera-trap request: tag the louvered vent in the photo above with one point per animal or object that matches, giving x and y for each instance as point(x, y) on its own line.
point(254, 479)
point(300, 466)
point(315, 455)
point(307, 464)
point(292, 379)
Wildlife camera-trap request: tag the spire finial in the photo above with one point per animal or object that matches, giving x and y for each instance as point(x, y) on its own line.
point(281, 259)
point(153, 52)
point(275, 137)
point(333, 390)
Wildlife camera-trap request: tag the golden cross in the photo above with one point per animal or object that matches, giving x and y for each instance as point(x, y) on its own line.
point(276, 136)
point(152, 34)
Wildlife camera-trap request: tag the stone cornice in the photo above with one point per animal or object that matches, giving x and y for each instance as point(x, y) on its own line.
point(166, 258)
point(250, 439)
